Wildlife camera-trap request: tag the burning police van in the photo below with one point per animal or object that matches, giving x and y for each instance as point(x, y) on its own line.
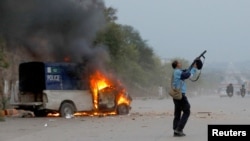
point(62, 89)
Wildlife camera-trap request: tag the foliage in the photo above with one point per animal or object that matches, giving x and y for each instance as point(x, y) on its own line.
point(3, 61)
point(110, 14)
point(132, 59)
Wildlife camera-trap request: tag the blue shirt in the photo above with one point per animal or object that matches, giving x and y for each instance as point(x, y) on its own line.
point(179, 77)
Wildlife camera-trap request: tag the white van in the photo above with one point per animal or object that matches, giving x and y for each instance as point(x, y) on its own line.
point(56, 87)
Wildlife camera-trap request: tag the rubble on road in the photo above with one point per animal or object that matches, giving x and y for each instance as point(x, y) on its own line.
point(17, 113)
point(203, 114)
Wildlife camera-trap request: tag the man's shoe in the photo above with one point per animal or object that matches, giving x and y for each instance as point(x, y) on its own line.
point(178, 133)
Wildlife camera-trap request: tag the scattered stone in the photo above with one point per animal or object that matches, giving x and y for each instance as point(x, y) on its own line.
point(19, 113)
point(69, 116)
point(203, 114)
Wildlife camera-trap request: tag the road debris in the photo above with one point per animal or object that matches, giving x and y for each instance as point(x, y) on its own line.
point(18, 113)
point(69, 116)
point(203, 114)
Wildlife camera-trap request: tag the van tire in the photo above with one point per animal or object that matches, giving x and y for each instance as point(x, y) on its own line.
point(122, 109)
point(67, 109)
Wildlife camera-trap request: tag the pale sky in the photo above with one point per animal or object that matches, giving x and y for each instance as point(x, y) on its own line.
point(185, 28)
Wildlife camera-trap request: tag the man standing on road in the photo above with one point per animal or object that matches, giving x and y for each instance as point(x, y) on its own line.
point(179, 77)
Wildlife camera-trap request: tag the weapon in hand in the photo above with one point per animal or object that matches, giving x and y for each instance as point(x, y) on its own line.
point(197, 58)
point(198, 63)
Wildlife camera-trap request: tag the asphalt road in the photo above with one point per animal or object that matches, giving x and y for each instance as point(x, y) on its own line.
point(149, 120)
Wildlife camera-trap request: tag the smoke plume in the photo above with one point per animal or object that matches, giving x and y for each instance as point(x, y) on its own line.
point(53, 29)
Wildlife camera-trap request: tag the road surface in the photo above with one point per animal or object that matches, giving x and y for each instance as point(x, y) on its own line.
point(149, 120)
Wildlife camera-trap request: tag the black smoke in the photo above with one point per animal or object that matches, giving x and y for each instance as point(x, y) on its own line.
point(53, 28)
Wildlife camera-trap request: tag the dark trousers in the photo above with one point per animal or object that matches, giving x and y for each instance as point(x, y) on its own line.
point(180, 119)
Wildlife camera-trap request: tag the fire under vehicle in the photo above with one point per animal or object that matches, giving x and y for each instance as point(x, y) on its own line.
point(67, 89)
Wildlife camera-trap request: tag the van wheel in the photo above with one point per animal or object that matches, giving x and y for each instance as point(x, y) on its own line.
point(122, 109)
point(67, 109)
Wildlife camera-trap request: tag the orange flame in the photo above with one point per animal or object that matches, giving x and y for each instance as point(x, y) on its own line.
point(80, 114)
point(97, 82)
point(123, 100)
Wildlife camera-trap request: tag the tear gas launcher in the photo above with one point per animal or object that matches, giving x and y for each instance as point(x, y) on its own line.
point(198, 63)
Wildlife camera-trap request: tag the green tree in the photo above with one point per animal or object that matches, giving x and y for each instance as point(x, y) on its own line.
point(3, 65)
point(3, 61)
point(110, 14)
point(132, 59)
